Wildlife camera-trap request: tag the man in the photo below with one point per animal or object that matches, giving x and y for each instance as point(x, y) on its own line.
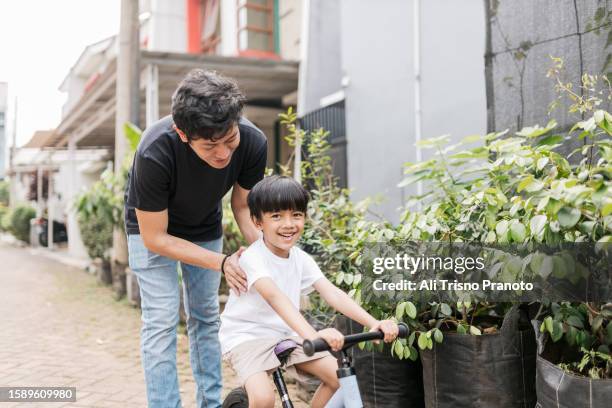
point(184, 165)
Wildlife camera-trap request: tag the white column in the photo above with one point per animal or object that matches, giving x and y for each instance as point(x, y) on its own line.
point(152, 94)
point(50, 205)
point(39, 191)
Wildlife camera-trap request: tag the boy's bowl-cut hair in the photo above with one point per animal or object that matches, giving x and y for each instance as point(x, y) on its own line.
point(206, 105)
point(277, 193)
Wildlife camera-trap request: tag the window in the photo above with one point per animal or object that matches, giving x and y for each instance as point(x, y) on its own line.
point(203, 26)
point(211, 34)
point(256, 28)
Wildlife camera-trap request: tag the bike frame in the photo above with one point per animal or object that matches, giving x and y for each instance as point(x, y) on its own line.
point(347, 396)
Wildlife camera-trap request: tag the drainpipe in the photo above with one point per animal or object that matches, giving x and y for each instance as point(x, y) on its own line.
point(417, 83)
point(302, 83)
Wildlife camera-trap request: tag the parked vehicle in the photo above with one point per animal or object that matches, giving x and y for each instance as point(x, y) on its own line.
point(60, 234)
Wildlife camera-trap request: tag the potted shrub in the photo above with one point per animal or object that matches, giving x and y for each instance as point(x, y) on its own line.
point(509, 190)
point(574, 366)
point(95, 218)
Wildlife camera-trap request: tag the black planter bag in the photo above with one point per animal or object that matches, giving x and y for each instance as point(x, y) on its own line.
point(488, 371)
point(384, 381)
point(559, 389)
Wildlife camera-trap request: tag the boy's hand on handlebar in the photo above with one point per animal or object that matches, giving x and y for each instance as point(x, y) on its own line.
point(333, 337)
point(234, 275)
point(388, 327)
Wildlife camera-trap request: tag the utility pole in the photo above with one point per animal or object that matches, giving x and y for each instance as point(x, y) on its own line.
point(12, 152)
point(127, 109)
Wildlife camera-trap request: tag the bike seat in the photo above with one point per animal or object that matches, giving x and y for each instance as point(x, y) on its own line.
point(284, 349)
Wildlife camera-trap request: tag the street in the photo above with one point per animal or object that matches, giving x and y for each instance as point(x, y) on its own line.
point(61, 328)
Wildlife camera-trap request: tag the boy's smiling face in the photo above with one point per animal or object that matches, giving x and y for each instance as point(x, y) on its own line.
point(281, 230)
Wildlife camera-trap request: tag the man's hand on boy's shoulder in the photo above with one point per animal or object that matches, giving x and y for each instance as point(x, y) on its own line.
point(234, 275)
point(388, 327)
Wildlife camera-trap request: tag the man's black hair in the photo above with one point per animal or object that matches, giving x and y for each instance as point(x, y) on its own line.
point(206, 105)
point(277, 193)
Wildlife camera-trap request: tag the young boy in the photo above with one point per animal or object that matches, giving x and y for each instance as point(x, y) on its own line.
point(278, 272)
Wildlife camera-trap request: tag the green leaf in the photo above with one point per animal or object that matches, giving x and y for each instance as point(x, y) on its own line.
point(546, 266)
point(445, 309)
point(575, 321)
point(339, 278)
point(568, 217)
point(535, 131)
point(411, 338)
point(501, 228)
point(422, 341)
point(399, 310)
point(518, 232)
point(132, 134)
point(550, 140)
point(541, 163)
point(410, 310)
point(548, 324)
point(596, 324)
point(414, 354)
point(398, 348)
point(475, 331)
point(557, 331)
point(537, 224)
point(461, 329)
point(526, 182)
point(559, 267)
point(438, 337)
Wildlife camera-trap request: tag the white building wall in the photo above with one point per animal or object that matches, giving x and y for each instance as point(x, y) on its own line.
point(376, 52)
point(83, 179)
point(168, 26)
point(290, 25)
point(374, 46)
point(452, 68)
point(321, 66)
point(3, 126)
point(229, 29)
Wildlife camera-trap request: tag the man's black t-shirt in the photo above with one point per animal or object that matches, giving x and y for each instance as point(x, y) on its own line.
point(168, 174)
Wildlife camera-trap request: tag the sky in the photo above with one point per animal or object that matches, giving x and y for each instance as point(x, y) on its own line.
point(40, 40)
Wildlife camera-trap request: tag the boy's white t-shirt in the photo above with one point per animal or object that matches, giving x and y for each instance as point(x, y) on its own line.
point(248, 316)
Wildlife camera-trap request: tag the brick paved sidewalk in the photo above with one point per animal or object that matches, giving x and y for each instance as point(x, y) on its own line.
point(61, 328)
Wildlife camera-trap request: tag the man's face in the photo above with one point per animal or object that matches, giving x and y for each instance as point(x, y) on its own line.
point(218, 152)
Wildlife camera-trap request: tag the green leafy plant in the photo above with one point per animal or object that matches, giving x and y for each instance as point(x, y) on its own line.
point(4, 192)
point(97, 214)
point(17, 221)
point(100, 208)
point(336, 230)
point(513, 190)
point(510, 190)
point(3, 211)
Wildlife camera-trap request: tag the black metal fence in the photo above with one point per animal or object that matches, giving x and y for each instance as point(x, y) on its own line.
point(332, 119)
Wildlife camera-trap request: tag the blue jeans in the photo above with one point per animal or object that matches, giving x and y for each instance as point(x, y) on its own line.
point(159, 292)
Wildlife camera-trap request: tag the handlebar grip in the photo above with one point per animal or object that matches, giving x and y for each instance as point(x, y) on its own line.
point(403, 330)
point(311, 347)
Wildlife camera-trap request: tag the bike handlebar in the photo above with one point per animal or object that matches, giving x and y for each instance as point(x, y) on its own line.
point(312, 346)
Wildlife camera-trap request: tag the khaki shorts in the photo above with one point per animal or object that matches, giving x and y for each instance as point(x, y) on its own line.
point(258, 356)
